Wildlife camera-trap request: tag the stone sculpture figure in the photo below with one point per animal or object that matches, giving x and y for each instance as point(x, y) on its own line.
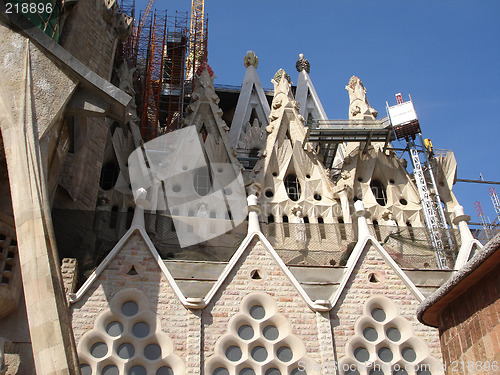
point(299, 229)
point(359, 108)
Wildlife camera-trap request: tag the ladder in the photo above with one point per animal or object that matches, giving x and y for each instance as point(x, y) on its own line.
point(431, 206)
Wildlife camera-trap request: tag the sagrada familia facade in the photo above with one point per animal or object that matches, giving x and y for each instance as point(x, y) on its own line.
point(322, 275)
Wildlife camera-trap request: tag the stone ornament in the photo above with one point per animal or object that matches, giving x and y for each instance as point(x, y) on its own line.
point(280, 74)
point(383, 339)
point(303, 64)
point(251, 59)
point(259, 340)
point(359, 108)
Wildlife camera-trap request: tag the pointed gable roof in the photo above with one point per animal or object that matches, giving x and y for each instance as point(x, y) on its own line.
point(204, 113)
point(306, 93)
point(363, 247)
point(288, 154)
point(252, 98)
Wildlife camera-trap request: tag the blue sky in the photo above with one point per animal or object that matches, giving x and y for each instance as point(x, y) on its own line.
point(445, 54)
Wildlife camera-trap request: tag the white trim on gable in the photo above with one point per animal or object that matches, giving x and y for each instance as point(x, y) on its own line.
point(354, 260)
point(251, 96)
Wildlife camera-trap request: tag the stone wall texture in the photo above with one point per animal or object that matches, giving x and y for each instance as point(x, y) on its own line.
point(359, 289)
point(470, 328)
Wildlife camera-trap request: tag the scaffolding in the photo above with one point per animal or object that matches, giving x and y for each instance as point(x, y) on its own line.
point(152, 79)
point(173, 91)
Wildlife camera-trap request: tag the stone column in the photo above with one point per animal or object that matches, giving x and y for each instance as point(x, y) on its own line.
point(344, 202)
point(253, 214)
point(47, 310)
point(466, 237)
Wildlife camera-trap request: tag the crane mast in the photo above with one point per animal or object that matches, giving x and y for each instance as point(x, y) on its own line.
point(406, 126)
point(196, 38)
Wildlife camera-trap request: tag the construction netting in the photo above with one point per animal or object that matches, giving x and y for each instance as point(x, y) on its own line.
point(331, 244)
point(90, 236)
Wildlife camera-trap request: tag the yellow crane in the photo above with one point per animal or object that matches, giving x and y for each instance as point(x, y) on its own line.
point(196, 37)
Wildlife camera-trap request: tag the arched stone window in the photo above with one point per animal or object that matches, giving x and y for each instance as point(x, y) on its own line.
point(292, 186)
point(202, 181)
point(379, 192)
point(109, 175)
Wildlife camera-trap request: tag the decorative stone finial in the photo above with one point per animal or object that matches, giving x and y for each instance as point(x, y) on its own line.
point(303, 64)
point(251, 59)
point(280, 74)
point(202, 67)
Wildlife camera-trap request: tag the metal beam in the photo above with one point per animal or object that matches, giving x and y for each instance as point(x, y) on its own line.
point(478, 182)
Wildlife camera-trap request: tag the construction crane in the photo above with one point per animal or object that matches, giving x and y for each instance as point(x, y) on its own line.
point(196, 38)
point(495, 201)
point(482, 218)
point(406, 126)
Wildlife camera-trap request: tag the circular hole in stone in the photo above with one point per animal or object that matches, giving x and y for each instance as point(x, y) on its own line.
point(393, 334)
point(391, 181)
point(114, 329)
point(220, 170)
point(403, 201)
point(245, 332)
point(259, 353)
point(137, 370)
point(273, 371)
point(233, 353)
point(99, 350)
point(176, 188)
point(376, 372)
point(165, 370)
point(351, 372)
point(284, 354)
point(130, 308)
point(85, 369)
point(308, 176)
point(220, 371)
point(125, 351)
point(400, 371)
point(152, 352)
point(299, 371)
point(361, 354)
point(275, 174)
point(271, 333)
point(247, 371)
point(423, 371)
point(269, 193)
point(228, 191)
point(360, 179)
point(257, 312)
point(385, 354)
point(317, 197)
point(370, 334)
point(140, 330)
point(409, 354)
point(110, 370)
point(184, 168)
point(378, 315)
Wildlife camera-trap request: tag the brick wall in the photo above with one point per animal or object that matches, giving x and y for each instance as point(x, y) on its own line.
point(359, 289)
point(226, 303)
point(89, 37)
point(173, 315)
point(470, 325)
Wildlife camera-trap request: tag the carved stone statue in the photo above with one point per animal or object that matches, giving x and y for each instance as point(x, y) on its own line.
point(359, 108)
